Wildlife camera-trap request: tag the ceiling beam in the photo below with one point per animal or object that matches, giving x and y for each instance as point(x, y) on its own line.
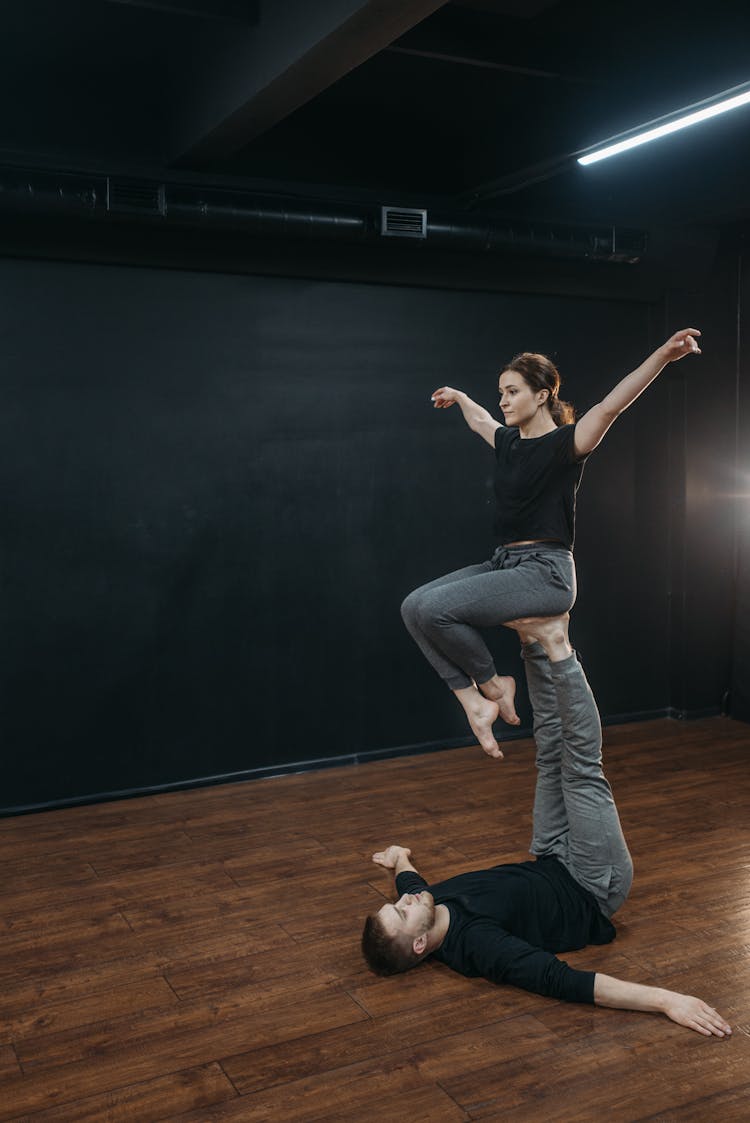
point(297, 50)
point(519, 9)
point(487, 64)
point(489, 41)
point(516, 181)
point(245, 11)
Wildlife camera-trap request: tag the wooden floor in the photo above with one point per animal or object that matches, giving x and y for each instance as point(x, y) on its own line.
point(194, 956)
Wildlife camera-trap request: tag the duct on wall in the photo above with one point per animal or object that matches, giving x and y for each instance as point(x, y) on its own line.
point(111, 198)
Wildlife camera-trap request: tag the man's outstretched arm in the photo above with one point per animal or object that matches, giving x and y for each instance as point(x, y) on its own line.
point(395, 858)
point(681, 1008)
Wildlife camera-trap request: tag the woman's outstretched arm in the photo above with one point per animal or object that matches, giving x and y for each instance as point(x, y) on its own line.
point(594, 424)
point(478, 419)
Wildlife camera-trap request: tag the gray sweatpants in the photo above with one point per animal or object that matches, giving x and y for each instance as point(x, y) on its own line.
point(575, 818)
point(444, 615)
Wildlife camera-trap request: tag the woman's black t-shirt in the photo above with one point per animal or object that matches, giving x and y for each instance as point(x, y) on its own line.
point(536, 480)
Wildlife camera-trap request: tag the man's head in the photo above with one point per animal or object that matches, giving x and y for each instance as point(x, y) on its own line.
point(398, 936)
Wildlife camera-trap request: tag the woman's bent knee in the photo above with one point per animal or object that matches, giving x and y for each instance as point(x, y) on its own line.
point(410, 607)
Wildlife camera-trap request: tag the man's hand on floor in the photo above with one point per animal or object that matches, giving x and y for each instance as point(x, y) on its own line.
point(394, 858)
point(695, 1014)
point(390, 856)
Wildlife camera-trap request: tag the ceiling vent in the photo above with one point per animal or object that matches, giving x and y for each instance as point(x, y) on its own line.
point(131, 196)
point(618, 244)
point(403, 222)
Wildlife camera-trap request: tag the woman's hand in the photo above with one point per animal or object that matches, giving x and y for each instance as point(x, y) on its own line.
point(682, 343)
point(594, 424)
point(478, 419)
point(445, 396)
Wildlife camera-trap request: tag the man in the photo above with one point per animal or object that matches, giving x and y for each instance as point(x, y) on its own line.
point(506, 923)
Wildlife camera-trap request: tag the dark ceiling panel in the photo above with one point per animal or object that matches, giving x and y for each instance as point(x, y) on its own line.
point(245, 11)
point(85, 81)
point(297, 51)
point(521, 9)
point(399, 99)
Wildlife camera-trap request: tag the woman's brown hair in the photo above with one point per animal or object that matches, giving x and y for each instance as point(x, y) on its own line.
point(540, 373)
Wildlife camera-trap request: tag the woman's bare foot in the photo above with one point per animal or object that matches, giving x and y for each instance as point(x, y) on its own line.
point(502, 689)
point(482, 714)
point(550, 631)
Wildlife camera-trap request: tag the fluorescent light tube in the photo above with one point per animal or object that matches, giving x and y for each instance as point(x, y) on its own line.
point(684, 122)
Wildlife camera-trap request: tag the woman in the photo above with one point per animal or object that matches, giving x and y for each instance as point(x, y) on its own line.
point(539, 453)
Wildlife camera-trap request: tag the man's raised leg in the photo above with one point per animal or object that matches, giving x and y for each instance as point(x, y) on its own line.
point(598, 855)
point(550, 830)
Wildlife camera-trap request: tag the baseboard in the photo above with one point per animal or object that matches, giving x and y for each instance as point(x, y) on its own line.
point(331, 762)
point(636, 715)
point(262, 773)
point(668, 711)
point(694, 715)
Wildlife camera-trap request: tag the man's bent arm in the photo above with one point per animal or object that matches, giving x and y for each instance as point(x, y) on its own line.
point(681, 1008)
point(395, 858)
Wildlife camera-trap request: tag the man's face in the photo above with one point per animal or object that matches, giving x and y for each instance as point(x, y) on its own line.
point(410, 917)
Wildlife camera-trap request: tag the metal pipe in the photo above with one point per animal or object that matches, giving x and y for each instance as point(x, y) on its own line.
point(155, 202)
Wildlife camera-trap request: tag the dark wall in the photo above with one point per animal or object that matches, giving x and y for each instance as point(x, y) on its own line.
point(704, 488)
point(217, 490)
point(740, 502)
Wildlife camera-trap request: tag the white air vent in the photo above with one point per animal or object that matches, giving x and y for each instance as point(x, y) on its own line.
point(403, 222)
point(131, 196)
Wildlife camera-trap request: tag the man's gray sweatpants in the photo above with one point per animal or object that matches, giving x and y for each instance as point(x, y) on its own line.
point(575, 818)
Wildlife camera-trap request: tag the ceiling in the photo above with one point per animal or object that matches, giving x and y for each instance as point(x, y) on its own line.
point(472, 104)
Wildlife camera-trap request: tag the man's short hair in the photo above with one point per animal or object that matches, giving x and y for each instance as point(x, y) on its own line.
point(386, 954)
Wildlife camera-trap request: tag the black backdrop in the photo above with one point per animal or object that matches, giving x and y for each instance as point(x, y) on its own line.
point(740, 686)
point(218, 488)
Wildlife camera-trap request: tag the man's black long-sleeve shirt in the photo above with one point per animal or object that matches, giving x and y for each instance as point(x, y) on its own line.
point(507, 922)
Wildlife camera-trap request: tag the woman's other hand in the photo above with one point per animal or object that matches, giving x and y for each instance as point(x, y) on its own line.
point(684, 342)
point(444, 397)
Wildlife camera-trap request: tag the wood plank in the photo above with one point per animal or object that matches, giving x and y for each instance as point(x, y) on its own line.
point(65, 840)
point(47, 1018)
point(729, 1107)
point(192, 1032)
point(63, 975)
point(470, 1012)
point(9, 1065)
point(335, 1048)
point(194, 1089)
point(575, 1082)
point(73, 984)
point(87, 936)
point(191, 982)
point(422, 986)
point(133, 1051)
point(180, 880)
point(209, 943)
point(207, 974)
point(65, 915)
point(32, 877)
point(343, 1093)
point(446, 1054)
point(557, 1084)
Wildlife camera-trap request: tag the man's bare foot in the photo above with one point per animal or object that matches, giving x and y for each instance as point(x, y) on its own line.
point(550, 631)
point(502, 689)
point(482, 714)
